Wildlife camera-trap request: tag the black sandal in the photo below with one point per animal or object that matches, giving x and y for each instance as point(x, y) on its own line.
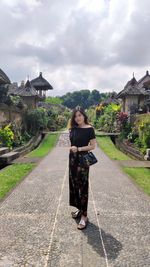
point(76, 214)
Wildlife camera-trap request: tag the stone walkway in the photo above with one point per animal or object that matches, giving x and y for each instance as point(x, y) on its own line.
point(36, 228)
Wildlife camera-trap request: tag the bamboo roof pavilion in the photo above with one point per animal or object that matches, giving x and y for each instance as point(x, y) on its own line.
point(41, 85)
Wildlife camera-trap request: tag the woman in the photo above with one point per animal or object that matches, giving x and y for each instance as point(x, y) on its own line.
point(82, 138)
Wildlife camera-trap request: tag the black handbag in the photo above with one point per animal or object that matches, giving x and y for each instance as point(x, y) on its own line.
point(86, 158)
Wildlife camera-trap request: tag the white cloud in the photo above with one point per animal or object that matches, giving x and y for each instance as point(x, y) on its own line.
point(75, 43)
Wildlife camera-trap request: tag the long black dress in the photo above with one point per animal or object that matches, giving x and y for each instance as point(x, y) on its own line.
point(79, 176)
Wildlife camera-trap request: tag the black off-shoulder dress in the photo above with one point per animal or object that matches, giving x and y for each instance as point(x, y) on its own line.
point(79, 176)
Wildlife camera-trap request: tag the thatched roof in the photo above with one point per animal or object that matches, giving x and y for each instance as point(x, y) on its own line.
point(146, 85)
point(40, 83)
point(132, 88)
point(4, 78)
point(144, 79)
point(111, 99)
point(26, 90)
point(13, 88)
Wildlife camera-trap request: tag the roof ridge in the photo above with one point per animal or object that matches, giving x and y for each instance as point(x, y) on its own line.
point(4, 77)
point(147, 74)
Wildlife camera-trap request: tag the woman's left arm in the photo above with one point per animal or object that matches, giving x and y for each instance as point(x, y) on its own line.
point(90, 146)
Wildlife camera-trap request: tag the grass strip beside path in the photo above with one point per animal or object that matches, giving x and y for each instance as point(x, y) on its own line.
point(110, 149)
point(45, 146)
point(141, 176)
point(12, 174)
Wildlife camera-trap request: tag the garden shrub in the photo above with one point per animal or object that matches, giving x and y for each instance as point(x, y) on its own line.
point(61, 121)
point(140, 133)
point(35, 120)
point(6, 136)
point(107, 121)
point(144, 135)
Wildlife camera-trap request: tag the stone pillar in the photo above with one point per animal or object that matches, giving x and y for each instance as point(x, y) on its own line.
point(147, 156)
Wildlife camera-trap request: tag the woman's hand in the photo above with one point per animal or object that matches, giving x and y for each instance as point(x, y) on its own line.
point(73, 148)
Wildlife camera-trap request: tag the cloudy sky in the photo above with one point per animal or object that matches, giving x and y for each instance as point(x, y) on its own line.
point(77, 44)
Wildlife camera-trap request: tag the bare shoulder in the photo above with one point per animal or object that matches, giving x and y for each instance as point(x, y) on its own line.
point(89, 126)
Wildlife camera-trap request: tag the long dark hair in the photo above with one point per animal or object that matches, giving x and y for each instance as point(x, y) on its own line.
point(72, 122)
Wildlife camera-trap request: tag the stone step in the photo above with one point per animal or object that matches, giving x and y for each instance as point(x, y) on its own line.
point(8, 157)
point(4, 150)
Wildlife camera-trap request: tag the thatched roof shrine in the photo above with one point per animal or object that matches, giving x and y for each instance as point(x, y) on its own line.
point(111, 99)
point(132, 88)
point(27, 90)
point(41, 84)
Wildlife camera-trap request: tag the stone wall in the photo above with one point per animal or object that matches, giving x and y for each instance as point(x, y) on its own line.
point(9, 114)
point(129, 150)
point(31, 144)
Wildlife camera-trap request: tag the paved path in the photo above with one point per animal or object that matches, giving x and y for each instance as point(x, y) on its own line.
point(36, 228)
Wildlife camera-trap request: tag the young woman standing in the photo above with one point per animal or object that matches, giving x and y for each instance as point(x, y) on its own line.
point(82, 138)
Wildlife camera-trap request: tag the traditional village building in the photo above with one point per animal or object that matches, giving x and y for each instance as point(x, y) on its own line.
point(28, 94)
point(31, 93)
point(145, 83)
point(4, 86)
point(135, 95)
point(41, 85)
point(13, 87)
point(3, 78)
point(111, 99)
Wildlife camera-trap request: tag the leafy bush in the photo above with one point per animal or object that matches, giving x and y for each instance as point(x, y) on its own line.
point(53, 100)
point(61, 121)
point(16, 128)
point(107, 121)
point(91, 113)
point(52, 124)
point(99, 109)
point(125, 130)
point(57, 118)
point(144, 135)
point(21, 136)
point(35, 120)
point(123, 125)
point(140, 133)
point(9, 101)
point(6, 136)
point(14, 100)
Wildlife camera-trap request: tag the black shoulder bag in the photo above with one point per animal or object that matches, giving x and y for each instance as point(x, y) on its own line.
point(86, 158)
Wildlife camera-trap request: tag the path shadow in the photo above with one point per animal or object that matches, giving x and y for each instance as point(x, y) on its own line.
point(111, 244)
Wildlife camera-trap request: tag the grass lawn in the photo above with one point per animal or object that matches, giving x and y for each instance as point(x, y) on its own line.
point(109, 148)
point(45, 146)
point(141, 176)
point(11, 175)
